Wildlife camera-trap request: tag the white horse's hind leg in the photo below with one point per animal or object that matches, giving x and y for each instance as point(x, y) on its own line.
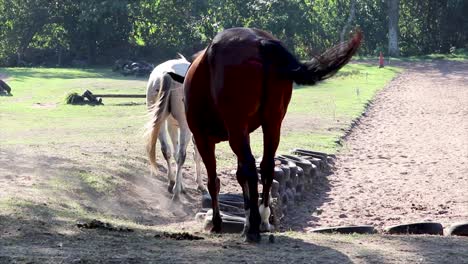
point(166, 151)
point(184, 138)
point(197, 158)
point(173, 129)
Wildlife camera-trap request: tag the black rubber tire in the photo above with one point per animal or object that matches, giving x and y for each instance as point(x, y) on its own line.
point(275, 189)
point(458, 229)
point(422, 228)
point(364, 229)
point(300, 162)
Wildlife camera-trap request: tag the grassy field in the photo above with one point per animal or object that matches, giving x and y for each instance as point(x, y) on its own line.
point(37, 114)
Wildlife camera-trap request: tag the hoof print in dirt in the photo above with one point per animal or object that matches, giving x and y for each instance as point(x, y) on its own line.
point(178, 236)
point(96, 224)
point(364, 229)
point(423, 228)
point(459, 229)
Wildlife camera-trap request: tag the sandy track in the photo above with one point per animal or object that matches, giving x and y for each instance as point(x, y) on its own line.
point(406, 161)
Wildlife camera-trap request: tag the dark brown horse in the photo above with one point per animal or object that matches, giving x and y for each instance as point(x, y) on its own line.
point(242, 81)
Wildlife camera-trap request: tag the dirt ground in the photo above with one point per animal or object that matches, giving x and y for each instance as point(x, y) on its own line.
point(407, 160)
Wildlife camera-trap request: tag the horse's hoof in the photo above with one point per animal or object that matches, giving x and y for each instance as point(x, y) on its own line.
point(215, 226)
point(265, 227)
point(170, 186)
point(252, 237)
point(215, 229)
point(175, 199)
point(202, 190)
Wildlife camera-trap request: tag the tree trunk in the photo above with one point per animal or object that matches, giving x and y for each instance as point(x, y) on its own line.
point(91, 51)
point(92, 46)
point(393, 15)
point(59, 55)
point(352, 12)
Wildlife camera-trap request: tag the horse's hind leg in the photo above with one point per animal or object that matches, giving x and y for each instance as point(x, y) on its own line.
point(172, 128)
point(197, 158)
point(166, 151)
point(184, 139)
point(271, 137)
point(248, 178)
point(207, 151)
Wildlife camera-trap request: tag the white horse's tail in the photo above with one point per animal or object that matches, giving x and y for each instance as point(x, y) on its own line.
point(159, 113)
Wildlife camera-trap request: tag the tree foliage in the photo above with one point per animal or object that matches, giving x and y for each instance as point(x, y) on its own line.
point(99, 31)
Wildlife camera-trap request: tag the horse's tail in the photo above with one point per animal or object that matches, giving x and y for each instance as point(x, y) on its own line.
point(319, 68)
point(158, 112)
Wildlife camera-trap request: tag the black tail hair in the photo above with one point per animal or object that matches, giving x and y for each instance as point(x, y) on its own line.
point(319, 68)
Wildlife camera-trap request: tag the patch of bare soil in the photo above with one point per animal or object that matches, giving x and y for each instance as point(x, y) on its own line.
point(406, 160)
point(46, 182)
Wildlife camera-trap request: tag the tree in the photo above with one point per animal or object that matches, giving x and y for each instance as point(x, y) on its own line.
point(21, 21)
point(393, 16)
point(100, 31)
point(352, 13)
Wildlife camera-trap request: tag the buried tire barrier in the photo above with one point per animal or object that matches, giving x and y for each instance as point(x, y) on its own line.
point(364, 229)
point(422, 228)
point(458, 229)
point(319, 159)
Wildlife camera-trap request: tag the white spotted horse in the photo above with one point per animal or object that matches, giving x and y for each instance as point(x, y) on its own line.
point(164, 99)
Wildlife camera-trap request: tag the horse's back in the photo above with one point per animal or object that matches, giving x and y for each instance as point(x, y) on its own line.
point(178, 66)
point(226, 85)
point(237, 71)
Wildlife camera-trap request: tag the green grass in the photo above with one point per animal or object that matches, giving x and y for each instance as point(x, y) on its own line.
point(102, 183)
point(38, 115)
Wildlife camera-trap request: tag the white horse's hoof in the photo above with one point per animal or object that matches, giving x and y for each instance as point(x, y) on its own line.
point(176, 198)
point(170, 187)
point(265, 227)
point(182, 189)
